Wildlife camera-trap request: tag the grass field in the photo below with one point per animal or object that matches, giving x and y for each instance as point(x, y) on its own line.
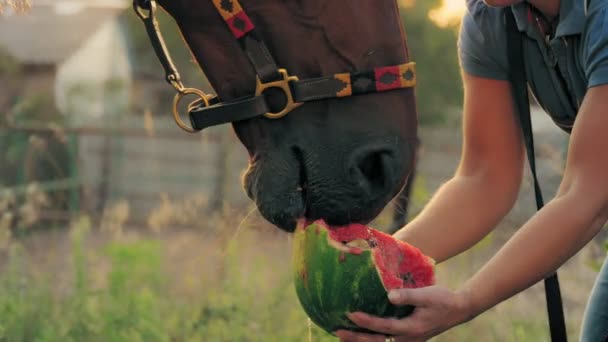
point(227, 278)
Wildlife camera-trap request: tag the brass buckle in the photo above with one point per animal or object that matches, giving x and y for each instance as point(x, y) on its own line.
point(284, 86)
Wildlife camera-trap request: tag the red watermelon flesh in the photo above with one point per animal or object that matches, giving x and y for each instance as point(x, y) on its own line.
point(399, 264)
point(351, 268)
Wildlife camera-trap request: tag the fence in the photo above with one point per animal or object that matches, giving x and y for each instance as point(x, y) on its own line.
point(84, 169)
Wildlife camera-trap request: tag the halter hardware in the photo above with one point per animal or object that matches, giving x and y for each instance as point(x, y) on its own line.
point(146, 11)
point(282, 84)
point(203, 100)
point(208, 110)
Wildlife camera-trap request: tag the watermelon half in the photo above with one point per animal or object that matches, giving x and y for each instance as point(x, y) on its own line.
point(351, 268)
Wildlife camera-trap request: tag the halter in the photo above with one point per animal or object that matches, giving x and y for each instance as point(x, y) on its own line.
point(208, 110)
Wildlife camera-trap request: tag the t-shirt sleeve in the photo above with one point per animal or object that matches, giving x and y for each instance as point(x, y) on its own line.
point(595, 46)
point(482, 40)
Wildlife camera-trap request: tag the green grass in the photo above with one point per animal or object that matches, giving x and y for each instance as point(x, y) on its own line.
point(135, 299)
point(199, 285)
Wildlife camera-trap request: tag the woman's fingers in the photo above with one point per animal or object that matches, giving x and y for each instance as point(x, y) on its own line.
point(423, 296)
point(388, 326)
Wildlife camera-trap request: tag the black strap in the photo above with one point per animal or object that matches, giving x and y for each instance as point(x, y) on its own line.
point(557, 324)
point(355, 83)
point(218, 113)
point(251, 43)
point(269, 75)
point(259, 56)
point(313, 89)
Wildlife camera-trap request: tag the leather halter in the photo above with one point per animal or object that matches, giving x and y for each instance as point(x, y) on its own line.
point(208, 110)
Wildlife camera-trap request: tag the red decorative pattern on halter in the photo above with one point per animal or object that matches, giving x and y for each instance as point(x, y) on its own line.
point(234, 16)
point(387, 78)
point(240, 24)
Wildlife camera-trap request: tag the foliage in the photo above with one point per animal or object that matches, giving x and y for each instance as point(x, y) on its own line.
point(29, 158)
point(136, 302)
point(600, 245)
point(146, 65)
point(231, 284)
point(18, 145)
point(8, 65)
point(434, 50)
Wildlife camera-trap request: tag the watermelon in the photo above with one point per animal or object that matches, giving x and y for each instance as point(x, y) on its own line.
point(352, 268)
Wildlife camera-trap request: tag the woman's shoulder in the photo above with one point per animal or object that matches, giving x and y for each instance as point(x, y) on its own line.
point(482, 41)
point(484, 17)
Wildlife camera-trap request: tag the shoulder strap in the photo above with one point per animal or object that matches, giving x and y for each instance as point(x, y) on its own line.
point(555, 310)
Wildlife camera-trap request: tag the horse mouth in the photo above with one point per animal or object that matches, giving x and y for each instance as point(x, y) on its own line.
point(302, 187)
point(297, 184)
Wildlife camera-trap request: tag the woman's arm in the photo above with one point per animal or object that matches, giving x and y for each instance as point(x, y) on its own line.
point(545, 242)
point(565, 224)
point(487, 181)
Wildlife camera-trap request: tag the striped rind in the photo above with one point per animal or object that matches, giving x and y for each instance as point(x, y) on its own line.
point(330, 282)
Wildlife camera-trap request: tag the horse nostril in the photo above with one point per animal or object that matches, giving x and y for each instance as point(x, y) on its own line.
point(372, 169)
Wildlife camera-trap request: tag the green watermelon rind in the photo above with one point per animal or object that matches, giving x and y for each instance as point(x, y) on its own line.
point(328, 308)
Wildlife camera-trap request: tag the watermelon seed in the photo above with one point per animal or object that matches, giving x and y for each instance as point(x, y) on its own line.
point(409, 278)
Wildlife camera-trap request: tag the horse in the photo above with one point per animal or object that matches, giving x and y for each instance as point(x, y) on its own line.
point(320, 93)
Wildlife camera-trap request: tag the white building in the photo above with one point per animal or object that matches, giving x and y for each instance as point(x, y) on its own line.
point(80, 44)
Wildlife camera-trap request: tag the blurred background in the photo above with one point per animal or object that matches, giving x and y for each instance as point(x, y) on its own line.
point(117, 226)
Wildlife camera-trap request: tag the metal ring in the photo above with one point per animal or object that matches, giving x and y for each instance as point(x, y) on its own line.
point(176, 100)
point(140, 10)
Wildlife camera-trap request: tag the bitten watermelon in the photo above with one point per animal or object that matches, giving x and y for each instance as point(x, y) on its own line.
point(351, 268)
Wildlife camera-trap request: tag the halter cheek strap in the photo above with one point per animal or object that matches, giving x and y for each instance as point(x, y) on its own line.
point(209, 110)
point(300, 91)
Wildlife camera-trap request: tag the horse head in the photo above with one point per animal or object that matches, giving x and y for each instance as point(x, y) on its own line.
point(347, 146)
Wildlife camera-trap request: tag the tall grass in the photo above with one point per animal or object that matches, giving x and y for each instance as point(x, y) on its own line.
point(230, 280)
point(125, 290)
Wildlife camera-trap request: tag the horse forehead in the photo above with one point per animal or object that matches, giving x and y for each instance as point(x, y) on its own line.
point(310, 38)
point(359, 34)
point(363, 33)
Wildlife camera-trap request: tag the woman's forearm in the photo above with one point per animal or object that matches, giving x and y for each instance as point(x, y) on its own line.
point(545, 242)
point(462, 212)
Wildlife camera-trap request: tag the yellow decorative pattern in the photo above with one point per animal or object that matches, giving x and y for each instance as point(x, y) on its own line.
point(236, 8)
point(406, 70)
point(348, 89)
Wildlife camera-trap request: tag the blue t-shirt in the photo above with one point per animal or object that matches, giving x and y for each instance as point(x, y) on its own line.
point(559, 69)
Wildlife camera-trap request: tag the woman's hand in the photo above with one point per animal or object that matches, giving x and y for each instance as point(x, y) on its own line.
point(437, 309)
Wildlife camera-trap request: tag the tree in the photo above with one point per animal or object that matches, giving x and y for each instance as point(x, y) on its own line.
point(433, 48)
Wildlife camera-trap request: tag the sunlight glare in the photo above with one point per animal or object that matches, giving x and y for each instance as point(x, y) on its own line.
point(449, 13)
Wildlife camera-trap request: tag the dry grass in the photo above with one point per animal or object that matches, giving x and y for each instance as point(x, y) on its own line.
point(18, 6)
point(239, 268)
point(228, 277)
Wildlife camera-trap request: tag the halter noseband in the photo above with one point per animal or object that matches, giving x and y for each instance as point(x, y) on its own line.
point(208, 110)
